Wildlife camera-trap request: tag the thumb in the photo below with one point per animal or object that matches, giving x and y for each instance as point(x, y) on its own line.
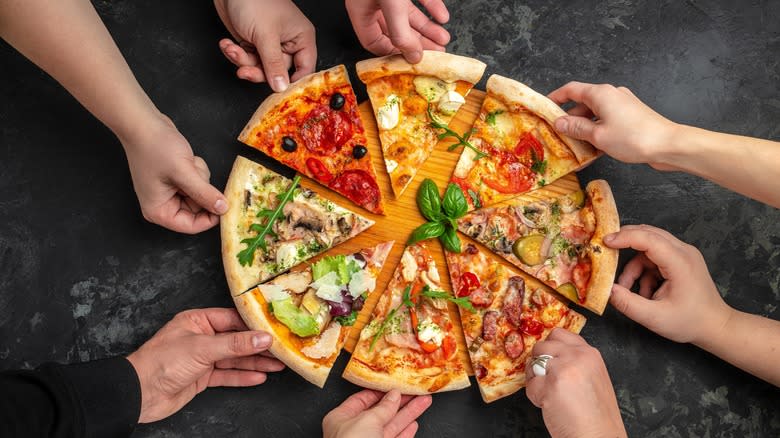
point(634, 306)
point(386, 409)
point(193, 181)
point(577, 127)
point(235, 345)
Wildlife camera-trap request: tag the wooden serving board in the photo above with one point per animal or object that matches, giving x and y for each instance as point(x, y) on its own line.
point(402, 215)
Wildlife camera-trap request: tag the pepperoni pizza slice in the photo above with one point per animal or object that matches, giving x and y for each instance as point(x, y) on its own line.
point(510, 318)
point(519, 150)
point(412, 101)
point(314, 127)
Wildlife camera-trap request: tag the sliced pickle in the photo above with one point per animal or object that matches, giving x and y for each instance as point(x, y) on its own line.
point(577, 198)
point(529, 249)
point(569, 291)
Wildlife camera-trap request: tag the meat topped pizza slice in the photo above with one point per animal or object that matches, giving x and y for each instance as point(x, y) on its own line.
point(274, 224)
point(520, 151)
point(409, 98)
point(309, 313)
point(314, 127)
point(509, 319)
point(410, 344)
point(557, 241)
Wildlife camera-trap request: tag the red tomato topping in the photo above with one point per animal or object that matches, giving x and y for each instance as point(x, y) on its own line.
point(531, 327)
point(448, 346)
point(358, 186)
point(581, 277)
point(318, 170)
point(325, 131)
point(529, 150)
point(469, 281)
point(519, 179)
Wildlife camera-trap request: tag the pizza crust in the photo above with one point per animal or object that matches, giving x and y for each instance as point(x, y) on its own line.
point(361, 375)
point(604, 261)
point(442, 65)
point(514, 93)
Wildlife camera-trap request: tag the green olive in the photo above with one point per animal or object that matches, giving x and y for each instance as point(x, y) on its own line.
point(577, 198)
point(569, 291)
point(529, 249)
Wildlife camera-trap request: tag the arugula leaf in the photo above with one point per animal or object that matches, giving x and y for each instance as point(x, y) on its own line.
point(463, 140)
point(426, 231)
point(539, 166)
point(406, 298)
point(381, 330)
point(265, 228)
point(475, 198)
point(428, 200)
point(440, 294)
point(450, 240)
point(347, 320)
point(491, 117)
point(454, 203)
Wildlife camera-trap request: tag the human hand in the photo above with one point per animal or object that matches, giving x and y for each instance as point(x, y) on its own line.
point(677, 298)
point(576, 394)
point(198, 349)
point(624, 127)
point(369, 414)
point(392, 26)
point(271, 36)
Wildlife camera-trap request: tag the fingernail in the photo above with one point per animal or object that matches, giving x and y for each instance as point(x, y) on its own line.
point(562, 125)
point(220, 207)
point(261, 341)
point(393, 396)
point(609, 238)
point(279, 84)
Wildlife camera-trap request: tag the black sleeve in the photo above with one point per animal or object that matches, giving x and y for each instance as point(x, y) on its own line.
point(93, 399)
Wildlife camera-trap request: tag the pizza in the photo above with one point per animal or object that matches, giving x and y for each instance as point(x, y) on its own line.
point(273, 224)
point(410, 344)
point(510, 318)
point(314, 127)
point(408, 98)
point(557, 240)
point(516, 149)
point(309, 313)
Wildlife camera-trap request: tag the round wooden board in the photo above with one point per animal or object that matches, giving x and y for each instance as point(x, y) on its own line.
point(402, 216)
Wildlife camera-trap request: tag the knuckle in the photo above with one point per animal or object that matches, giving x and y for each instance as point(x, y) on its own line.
point(402, 40)
point(237, 344)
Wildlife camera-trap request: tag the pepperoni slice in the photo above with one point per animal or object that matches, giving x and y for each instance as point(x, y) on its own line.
point(325, 131)
point(318, 170)
point(514, 344)
point(490, 325)
point(358, 186)
point(513, 301)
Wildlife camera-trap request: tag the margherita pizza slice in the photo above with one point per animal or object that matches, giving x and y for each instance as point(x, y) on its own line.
point(309, 313)
point(509, 320)
point(521, 150)
point(314, 127)
point(274, 224)
point(557, 241)
point(408, 98)
point(410, 344)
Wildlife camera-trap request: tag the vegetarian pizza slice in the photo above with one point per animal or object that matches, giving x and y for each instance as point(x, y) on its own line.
point(314, 127)
point(274, 224)
point(515, 148)
point(309, 313)
point(410, 344)
point(412, 102)
point(558, 241)
point(509, 319)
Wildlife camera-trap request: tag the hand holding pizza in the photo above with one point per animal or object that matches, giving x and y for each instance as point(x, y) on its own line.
point(398, 26)
point(576, 394)
point(195, 350)
point(271, 36)
point(172, 183)
point(370, 414)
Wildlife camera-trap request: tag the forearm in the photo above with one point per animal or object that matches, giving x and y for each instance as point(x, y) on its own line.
point(742, 164)
point(749, 342)
point(67, 39)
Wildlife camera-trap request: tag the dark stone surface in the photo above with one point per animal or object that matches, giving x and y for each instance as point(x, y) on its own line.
point(82, 276)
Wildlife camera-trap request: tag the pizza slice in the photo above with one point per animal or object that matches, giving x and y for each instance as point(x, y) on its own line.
point(410, 344)
point(408, 99)
point(509, 319)
point(557, 241)
point(518, 149)
point(274, 224)
point(309, 313)
point(315, 128)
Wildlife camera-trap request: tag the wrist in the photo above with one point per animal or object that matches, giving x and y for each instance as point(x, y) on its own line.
point(141, 128)
point(147, 400)
point(716, 326)
point(671, 147)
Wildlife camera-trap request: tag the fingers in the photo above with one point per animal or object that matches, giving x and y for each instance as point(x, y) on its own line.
point(304, 55)
point(269, 47)
point(189, 178)
point(566, 337)
point(437, 9)
point(233, 345)
point(237, 54)
point(581, 110)
point(177, 214)
point(534, 388)
point(223, 319)
point(236, 378)
point(407, 415)
point(428, 29)
point(634, 269)
point(387, 407)
point(359, 402)
point(251, 363)
point(648, 284)
point(410, 430)
point(581, 128)
point(658, 247)
point(635, 306)
point(401, 33)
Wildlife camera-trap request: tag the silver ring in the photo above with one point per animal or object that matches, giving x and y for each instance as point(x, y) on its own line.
point(539, 364)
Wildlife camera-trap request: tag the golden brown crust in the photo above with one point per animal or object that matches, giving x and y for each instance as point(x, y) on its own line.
point(442, 65)
point(604, 260)
point(514, 93)
point(361, 375)
point(239, 278)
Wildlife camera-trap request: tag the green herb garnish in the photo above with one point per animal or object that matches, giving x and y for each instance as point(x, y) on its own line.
point(406, 300)
point(247, 256)
point(442, 214)
point(463, 140)
point(347, 320)
point(462, 301)
point(539, 166)
point(491, 117)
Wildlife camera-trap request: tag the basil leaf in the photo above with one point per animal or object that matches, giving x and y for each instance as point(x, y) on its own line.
point(475, 199)
point(450, 240)
point(428, 200)
point(454, 203)
point(425, 231)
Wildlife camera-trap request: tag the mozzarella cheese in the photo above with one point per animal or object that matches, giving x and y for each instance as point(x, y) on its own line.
point(432, 89)
point(361, 281)
point(286, 255)
point(326, 345)
point(450, 102)
point(391, 165)
point(429, 332)
point(328, 287)
point(389, 114)
point(408, 266)
point(273, 292)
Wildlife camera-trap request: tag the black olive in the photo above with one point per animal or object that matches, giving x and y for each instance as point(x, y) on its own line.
point(289, 144)
point(359, 151)
point(337, 101)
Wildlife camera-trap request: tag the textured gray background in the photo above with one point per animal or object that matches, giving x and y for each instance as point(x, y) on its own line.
point(82, 276)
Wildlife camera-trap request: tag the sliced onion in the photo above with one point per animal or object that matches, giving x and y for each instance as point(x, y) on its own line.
point(358, 303)
point(545, 249)
point(343, 308)
point(527, 222)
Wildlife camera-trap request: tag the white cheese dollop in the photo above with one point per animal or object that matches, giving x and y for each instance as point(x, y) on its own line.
point(286, 255)
point(429, 332)
point(389, 114)
point(361, 281)
point(391, 165)
point(450, 102)
point(273, 292)
point(328, 287)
